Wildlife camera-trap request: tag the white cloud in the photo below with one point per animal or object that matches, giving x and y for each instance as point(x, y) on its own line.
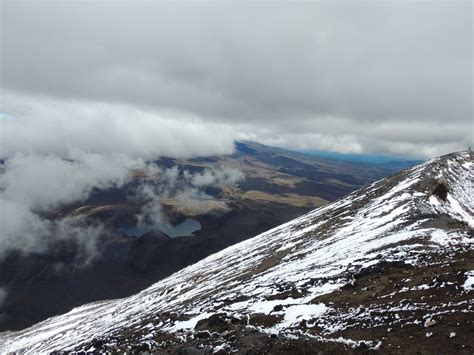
point(185, 187)
point(220, 177)
point(47, 181)
point(25, 231)
point(34, 184)
point(50, 126)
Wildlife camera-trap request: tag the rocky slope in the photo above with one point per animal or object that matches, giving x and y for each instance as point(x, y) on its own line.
point(277, 186)
point(388, 267)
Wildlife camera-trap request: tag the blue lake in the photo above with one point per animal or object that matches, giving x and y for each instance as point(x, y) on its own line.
point(185, 229)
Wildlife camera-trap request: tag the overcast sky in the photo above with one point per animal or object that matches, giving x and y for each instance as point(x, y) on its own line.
point(149, 78)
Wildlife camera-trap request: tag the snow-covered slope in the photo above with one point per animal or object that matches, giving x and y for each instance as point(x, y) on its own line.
point(373, 260)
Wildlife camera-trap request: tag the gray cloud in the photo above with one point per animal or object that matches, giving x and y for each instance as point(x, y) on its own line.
point(383, 76)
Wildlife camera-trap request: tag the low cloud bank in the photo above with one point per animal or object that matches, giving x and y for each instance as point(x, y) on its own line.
point(41, 125)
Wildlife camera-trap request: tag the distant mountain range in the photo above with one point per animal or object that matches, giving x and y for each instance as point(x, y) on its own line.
point(380, 159)
point(389, 267)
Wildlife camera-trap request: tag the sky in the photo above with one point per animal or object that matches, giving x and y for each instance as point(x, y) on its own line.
point(148, 78)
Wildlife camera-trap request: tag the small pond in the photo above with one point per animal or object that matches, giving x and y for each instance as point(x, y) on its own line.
point(184, 229)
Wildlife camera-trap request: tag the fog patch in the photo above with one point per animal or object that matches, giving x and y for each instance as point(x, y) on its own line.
point(222, 177)
point(33, 186)
point(27, 232)
point(181, 191)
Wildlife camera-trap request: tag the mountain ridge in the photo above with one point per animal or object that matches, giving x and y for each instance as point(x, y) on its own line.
point(278, 186)
point(291, 284)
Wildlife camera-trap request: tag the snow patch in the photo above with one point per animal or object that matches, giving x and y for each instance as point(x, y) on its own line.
point(469, 283)
point(191, 323)
point(297, 313)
